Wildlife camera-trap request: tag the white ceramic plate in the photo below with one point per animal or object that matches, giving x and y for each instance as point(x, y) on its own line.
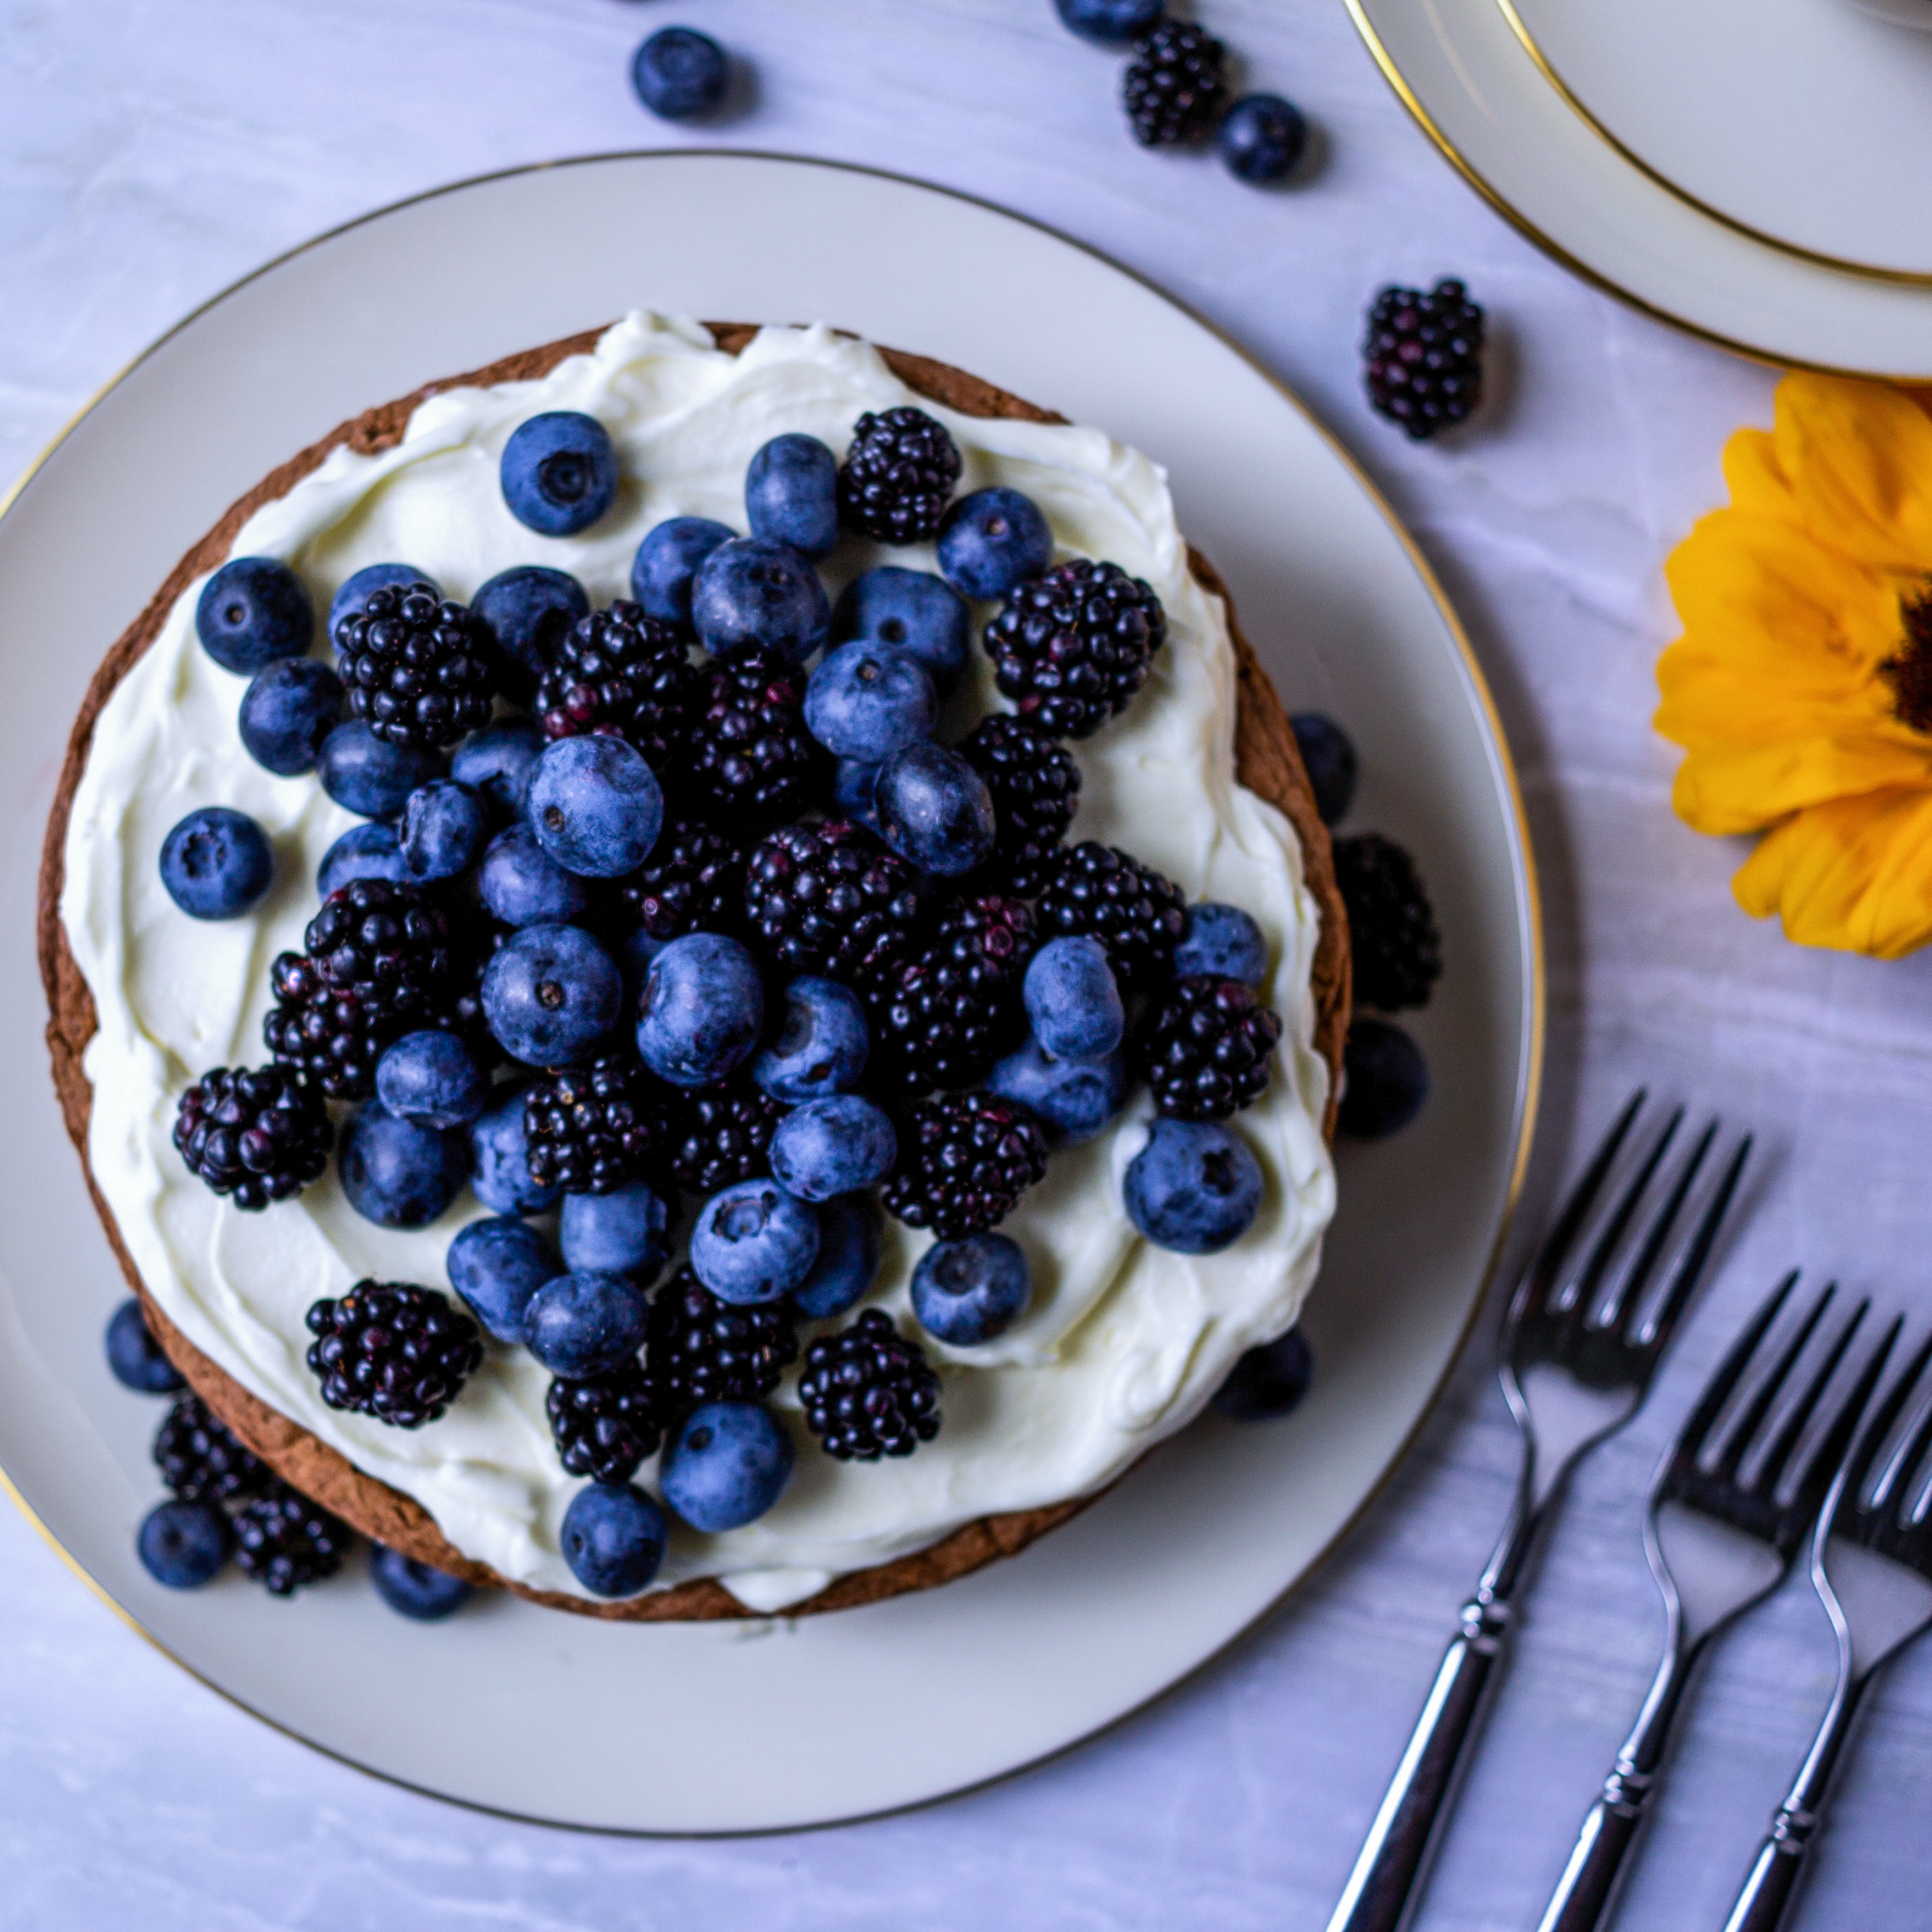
point(724, 1728)
point(1460, 70)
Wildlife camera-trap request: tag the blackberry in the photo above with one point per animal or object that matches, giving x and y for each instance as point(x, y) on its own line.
point(283, 1541)
point(417, 670)
point(591, 1130)
point(399, 1353)
point(964, 1159)
point(1421, 357)
point(869, 1391)
point(620, 671)
point(604, 1426)
point(1035, 783)
point(1071, 648)
point(1207, 1049)
point(701, 1349)
point(1396, 949)
point(329, 1038)
point(1134, 912)
point(951, 1012)
point(1175, 90)
point(898, 476)
point(201, 1460)
point(694, 882)
point(831, 899)
point(258, 1134)
point(750, 760)
point(719, 1135)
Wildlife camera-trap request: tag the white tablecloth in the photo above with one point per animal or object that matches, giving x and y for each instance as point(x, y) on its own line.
point(150, 153)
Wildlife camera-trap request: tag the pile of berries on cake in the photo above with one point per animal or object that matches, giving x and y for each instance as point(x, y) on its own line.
point(680, 910)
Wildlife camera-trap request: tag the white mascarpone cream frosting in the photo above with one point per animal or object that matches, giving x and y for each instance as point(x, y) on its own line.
point(1122, 1343)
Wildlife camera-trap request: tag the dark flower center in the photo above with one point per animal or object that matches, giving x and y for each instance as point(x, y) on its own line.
point(1909, 671)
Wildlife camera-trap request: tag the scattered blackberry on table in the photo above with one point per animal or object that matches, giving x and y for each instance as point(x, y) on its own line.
point(1422, 357)
point(720, 1134)
point(257, 1135)
point(201, 1459)
point(898, 476)
point(603, 1426)
point(692, 881)
point(750, 760)
point(590, 1130)
point(416, 669)
point(1071, 647)
point(964, 1160)
point(620, 671)
point(1135, 913)
point(868, 1391)
point(1208, 1048)
point(283, 1541)
point(946, 1016)
point(1175, 88)
point(1396, 948)
point(831, 899)
point(701, 1349)
point(1035, 783)
point(399, 1353)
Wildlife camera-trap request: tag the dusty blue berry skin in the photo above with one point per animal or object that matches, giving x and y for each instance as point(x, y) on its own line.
point(497, 1266)
point(935, 809)
point(791, 494)
point(865, 700)
point(967, 1292)
point(252, 610)
point(398, 1175)
point(1269, 1381)
point(1073, 1099)
point(1194, 1188)
point(527, 612)
point(444, 825)
point(135, 1356)
point(217, 864)
point(853, 786)
point(521, 884)
point(1385, 1080)
point(363, 852)
point(353, 597)
point(497, 763)
point(369, 776)
point(414, 1589)
point(1111, 22)
point(701, 1011)
point(822, 1045)
point(613, 1539)
point(1329, 755)
point(833, 1146)
point(551, 993)
point(1072, 1001)
point(1224, 942)
point(992, 541)
point(910, 611)
point(1261, 138)
point(625, 1232)
point(183, 1544)
point(680, 74)
point(288, 712)
point(596, 806)
point(726, 1466)
point(848, 1261)
point(432, 1079)
point(749, 592)
point(559, 472)
point(754, 1242)
point(580, 1325)
point(502, 1178)
point(667, 562)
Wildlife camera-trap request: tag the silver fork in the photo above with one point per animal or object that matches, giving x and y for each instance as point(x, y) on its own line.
point(1729, 1510)
point(1580, 1341)
point(1872, 1566)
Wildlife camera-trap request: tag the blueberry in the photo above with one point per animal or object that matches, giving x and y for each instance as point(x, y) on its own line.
point(911, 610)
point(398, 1175)
point(519, 883)
point(853, 786)
point(680, 74)
point(135, 1356)
point(527, 612)
point(833, 1146)
point(726, 1466)
point(501, 1155)
point(992, 541)
point(1074, 1099)
point(821, 1046)
point(1261, 138)
point(551, 993)
point(967, 1292)
point(1194, 1188)
point(865, 700)
point(184, 1545)
point(596, 806)
point(1269, 1381)
point(581, 1325)
point(613, 1539)
point(433, 1080)
point(497, 1266)
point(1072, 1001)
point(1385, 1079)
point(1112, 22)
point(369, 776)
point(749, 591)
point(1328, 756)
point(497, 763)
point(414, 1589)
point(701, 1011)
point(252, 611)
point(290, 707)
point(791, 494)
point(559, 472)
point(624, 1232)
point(444, 824)
point(935, 809)
point(217, 864)
point(351, 598)
point(363, 852)
point(1224, 942)
point(667, 563)
point(848, 1258)
point(754, 1242)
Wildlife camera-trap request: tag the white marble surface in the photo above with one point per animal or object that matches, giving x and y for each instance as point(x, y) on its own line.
point(149, 153)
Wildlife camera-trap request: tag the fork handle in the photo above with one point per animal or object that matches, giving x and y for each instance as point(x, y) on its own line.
point(1582, 1899)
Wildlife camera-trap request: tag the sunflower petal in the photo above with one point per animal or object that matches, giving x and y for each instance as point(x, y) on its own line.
point(1854, 874)
point(1860, 458)
point(1757, 480)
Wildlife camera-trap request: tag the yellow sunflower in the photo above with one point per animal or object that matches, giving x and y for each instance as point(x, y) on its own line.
point(1801, 689)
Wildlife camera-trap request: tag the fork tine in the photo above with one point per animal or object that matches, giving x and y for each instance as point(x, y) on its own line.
point(1610, 1237)
point(1899, 1469)
point(1718, 1390)
point(1658, 1326)
point(1637, 1276)
point(1744, 1430)
point(1871, 1438)
point(1542, 1272)
point(1778, 1458)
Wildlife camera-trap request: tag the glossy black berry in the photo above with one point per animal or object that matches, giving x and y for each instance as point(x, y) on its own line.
point(416, 669)
point(868, 1391)
point(619, 671)
point(1137, 914)
point(720, 1134)
point(201, 1459)
point(331, 1037)
point(1385, 1079)
point(693, 882)
point(1071, 647)
point(701, 1349)
point(1035, 783)
point(1394, 940)
point(830, 899)
point(399, 1353)
point(256, 1135)
point(1175, 88)
point(750, 761)
point(898, 476)
point(1207, 1049)
point(964, 1160)
point(283, 1541)
point(945, 1016)
point(603, 1426)
point(591, 1130)
point(1421, 357)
